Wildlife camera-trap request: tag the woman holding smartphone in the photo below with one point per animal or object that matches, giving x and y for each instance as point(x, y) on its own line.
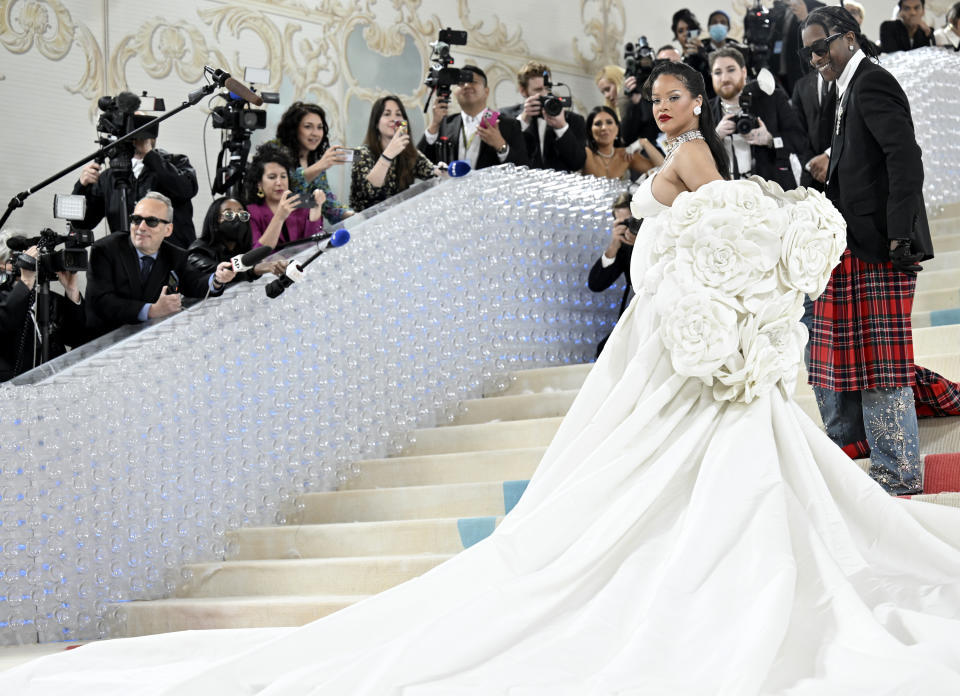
point(303, 132)
point(277, 214)
point(388, 162)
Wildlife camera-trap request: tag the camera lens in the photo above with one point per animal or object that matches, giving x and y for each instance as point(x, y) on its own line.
point(552, 106)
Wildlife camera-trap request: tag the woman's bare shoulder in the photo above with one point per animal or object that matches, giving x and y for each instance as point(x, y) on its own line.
point(695, 164)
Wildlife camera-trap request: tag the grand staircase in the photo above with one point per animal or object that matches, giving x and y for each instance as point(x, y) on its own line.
point(450, 488)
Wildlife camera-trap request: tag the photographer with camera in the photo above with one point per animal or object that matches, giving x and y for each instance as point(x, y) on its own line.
point(615, 260)
point(482, 137)
point(555, 136)
point(782, 50)
point(151, 169)
point(140, 275)
point(760, 131)
point(689, 41)
point(20, 347)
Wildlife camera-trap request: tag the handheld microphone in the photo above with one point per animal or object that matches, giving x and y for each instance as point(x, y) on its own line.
point(244, 262)
point(294, 270)
point(458, 168)
point(223, 79)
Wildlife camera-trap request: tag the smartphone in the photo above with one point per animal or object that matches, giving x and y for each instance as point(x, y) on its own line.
point(490, 118)
point(693, 34)
point(346, 154)
point(306, 201)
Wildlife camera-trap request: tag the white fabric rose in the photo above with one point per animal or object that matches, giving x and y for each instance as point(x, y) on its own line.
point(700, 332)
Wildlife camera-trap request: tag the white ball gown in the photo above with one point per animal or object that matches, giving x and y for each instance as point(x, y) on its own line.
point(689, 530)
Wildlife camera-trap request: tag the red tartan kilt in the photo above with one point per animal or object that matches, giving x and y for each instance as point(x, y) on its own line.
point(862, 336)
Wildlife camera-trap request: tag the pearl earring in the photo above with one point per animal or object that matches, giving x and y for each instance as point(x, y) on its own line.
point(852, 48)
point(697, 110)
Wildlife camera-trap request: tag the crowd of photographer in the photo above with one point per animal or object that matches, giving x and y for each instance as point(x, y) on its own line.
point(775, 123)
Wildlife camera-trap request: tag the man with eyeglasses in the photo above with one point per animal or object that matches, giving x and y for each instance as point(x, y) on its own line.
point(138, 276)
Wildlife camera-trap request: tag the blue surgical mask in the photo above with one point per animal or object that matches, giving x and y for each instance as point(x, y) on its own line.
point(718, 32)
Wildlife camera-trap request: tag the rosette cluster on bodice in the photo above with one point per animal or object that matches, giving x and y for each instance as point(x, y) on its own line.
point(728, 270)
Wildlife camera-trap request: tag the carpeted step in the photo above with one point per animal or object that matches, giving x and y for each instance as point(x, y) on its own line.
point(515, 407)
point(937, 280)
point(941, 473)
point(539, 380)
point(487, 499)
point(951, 499)
point(943, 227)
point(936, 300)
point(942, 261)
point(459, 467)
point(946, 240)
point(187, 614)
point(325, 576)
point(487, 436)
point(384, 538)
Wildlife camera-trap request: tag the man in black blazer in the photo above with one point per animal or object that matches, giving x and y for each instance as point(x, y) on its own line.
point(553, 142)
point(815, 103)
point(907, 32)
point(131, 275)
point(615, 260)
point(861, 348)
point(469, 135)
point(766, 149)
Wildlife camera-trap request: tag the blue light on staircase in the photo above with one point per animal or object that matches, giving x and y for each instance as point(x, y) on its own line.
point(474, 529)
point(943, 317)
point(512, 490)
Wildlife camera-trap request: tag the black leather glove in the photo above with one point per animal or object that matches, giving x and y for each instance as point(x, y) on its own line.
point(903, 259)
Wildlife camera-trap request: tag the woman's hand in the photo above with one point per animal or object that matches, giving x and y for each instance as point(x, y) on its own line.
point(287, 205)
point(276, 267)
point(315, 212)
point(397, 143)
point(69, 282)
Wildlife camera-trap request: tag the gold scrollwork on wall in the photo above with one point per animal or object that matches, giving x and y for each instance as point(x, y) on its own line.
point(45, 24)
point(605, 29)
point(497, 40)
point(163, 48)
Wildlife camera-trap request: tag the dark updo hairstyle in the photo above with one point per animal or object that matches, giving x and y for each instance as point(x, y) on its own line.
point(406, 161)
point(597, 110)
point(838, 20)
point(265, 154)
point(693, 81)
point(687, 16)
point(210, 233)
point(290, 124)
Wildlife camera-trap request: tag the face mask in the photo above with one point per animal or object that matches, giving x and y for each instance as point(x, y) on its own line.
point(718, 32)
point(233, 230)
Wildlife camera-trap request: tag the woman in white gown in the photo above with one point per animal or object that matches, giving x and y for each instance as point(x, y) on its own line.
point(689, 530)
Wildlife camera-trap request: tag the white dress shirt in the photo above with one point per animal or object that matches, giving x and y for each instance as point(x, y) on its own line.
point(468, 135)
point(542, 130)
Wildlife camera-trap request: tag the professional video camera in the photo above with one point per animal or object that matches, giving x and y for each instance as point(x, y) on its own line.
point(239, 120)
point(72, 257)
point(550, 103)
point(758, 28)
point(638, 61)
point(441, 77)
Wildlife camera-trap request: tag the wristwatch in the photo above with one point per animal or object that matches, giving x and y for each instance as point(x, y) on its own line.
point(503, 150)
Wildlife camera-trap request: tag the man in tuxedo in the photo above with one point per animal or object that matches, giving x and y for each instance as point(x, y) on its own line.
point(764, 150)
point(553, 142)
point(815, 103)
point(785, 62)
point(138, 276)
point(861, 347)
point(615, 260)
point(468, 135)
point(908, 31)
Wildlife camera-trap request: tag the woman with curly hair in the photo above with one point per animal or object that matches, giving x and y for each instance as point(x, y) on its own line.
point(303, 132)
point(277, 214)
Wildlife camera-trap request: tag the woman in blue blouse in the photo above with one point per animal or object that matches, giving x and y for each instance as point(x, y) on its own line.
point(304, 133)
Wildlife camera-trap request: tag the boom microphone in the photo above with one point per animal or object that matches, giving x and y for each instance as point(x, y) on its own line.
point(294, 270)
point(223, 79)
point(244, 262)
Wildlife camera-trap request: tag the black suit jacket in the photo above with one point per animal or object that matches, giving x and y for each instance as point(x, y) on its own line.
point(566, 154)
point(876, 170)
point(772, 163)
point(114, 293)
point(894, 37)
point(169, 174)
point(451, 127)
point(787, 32)
point(816, 120)
point(601, 278)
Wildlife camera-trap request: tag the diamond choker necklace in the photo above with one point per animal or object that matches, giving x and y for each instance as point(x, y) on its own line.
point(671, 145)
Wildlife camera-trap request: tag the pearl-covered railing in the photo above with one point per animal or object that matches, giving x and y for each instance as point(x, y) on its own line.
point(117, 471)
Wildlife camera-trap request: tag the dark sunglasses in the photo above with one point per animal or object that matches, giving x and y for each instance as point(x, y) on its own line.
point(821, 47)
point(151, 221)
point(229, 215)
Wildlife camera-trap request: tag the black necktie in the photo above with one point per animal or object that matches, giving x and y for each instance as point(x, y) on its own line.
point(146, 265)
